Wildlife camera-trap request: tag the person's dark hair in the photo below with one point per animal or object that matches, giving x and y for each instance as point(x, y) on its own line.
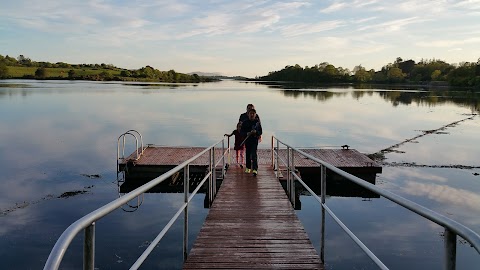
point(250, 105)
point(252, 110)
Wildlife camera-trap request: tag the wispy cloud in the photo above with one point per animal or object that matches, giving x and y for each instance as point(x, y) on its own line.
point(394, 25)
point(445, 194)
point(248, 18)
point(340, 5)
point(303, 28)
point(449, 43)
point(336, 6)
point(468, 4)
point(136, 28)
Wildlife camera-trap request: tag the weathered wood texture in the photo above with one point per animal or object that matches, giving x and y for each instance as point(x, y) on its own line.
point(252, 225)
point(342, 158)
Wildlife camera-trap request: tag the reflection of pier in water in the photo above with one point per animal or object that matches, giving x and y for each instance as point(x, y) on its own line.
point(134, 176)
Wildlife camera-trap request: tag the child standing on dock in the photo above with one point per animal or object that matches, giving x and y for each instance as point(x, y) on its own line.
point(252, 129)
point(239, 147)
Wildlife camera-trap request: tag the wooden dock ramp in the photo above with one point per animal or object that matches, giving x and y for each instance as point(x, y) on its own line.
point(252, 225)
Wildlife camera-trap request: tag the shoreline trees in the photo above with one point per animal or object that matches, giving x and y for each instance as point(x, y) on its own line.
point(465, 74)
point(24, 68)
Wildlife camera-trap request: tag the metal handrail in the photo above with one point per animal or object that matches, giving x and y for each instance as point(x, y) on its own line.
point(452, 228)
point(133, 133)
point(88, 221)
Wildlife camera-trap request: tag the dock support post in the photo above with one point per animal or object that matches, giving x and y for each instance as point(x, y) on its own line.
point(89, 248)
point(186, 185)
point(450, 249)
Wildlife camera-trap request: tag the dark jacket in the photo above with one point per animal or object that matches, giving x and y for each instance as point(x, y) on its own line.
point(244, 117)
point(248, 126)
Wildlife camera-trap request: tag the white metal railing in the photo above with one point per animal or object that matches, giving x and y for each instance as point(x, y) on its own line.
point(87, 223)
point(452, 228)
point(122, 138)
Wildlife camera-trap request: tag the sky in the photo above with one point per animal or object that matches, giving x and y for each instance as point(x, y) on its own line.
point(245, 38)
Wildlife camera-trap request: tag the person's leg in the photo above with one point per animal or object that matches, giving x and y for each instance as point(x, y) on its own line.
point(242, 157)
point(254, 158)
point(237, 152)
point(248, 160)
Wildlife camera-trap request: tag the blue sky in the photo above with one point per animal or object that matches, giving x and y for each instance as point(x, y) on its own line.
point(248, 38)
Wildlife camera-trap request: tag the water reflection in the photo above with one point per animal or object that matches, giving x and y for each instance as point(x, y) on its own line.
point(53, 132)
point(338, 186)
point(465, 98)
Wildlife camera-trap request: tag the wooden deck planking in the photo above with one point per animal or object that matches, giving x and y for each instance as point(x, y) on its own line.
point(252, 225)
point(162, 155)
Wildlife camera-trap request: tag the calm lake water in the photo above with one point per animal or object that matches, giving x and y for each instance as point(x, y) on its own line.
point(56, 133)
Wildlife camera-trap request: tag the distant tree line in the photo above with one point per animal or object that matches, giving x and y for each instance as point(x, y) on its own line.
point(94, 72)
point(465, 74)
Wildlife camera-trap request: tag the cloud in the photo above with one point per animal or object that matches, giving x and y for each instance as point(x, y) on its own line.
point(244, 18)
point(394, 25)
point(336, 6)
point(446, 195)
point(448, 43)
point(468, 4)
point(304, 28)
point(395, 173)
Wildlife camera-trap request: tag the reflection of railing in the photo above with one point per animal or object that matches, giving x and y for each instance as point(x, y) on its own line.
point(138, 154)
point(87, 223)
point(452, 228)
point(127, 207)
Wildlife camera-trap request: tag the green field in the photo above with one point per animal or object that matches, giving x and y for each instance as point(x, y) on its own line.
point(18, 72)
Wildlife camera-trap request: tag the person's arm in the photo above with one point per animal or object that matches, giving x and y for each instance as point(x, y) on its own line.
point(242, 117)
point(244, 130)
point(229, 135)
point(258, 128)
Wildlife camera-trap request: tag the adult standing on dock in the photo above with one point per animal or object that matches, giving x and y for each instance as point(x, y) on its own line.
point(244, 117)
point(252, 129)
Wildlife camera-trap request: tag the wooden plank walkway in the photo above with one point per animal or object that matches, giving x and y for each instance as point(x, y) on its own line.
point(252, 225)
point(172, 156)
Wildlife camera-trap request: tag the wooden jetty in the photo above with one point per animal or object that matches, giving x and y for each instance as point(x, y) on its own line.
point(163, 158)
point(252, 225)
point(157, 160)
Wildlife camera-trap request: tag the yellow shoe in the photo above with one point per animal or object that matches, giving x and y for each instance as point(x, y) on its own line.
point(247, 170)
point(255, 172)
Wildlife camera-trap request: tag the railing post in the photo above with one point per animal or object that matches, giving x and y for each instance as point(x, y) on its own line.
point(288, 172)
point(278, 166)
point(186, 185)
point(323, 187)
point(229, 153)
point(450, 249)
point(123, 149)
point(89, 248)
point(223, 159)
point(323, 184)
point(136, 145)
point(210, 184)
point(273, 149)
point(322, 239)
point(214, 174)
point(292, 180)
